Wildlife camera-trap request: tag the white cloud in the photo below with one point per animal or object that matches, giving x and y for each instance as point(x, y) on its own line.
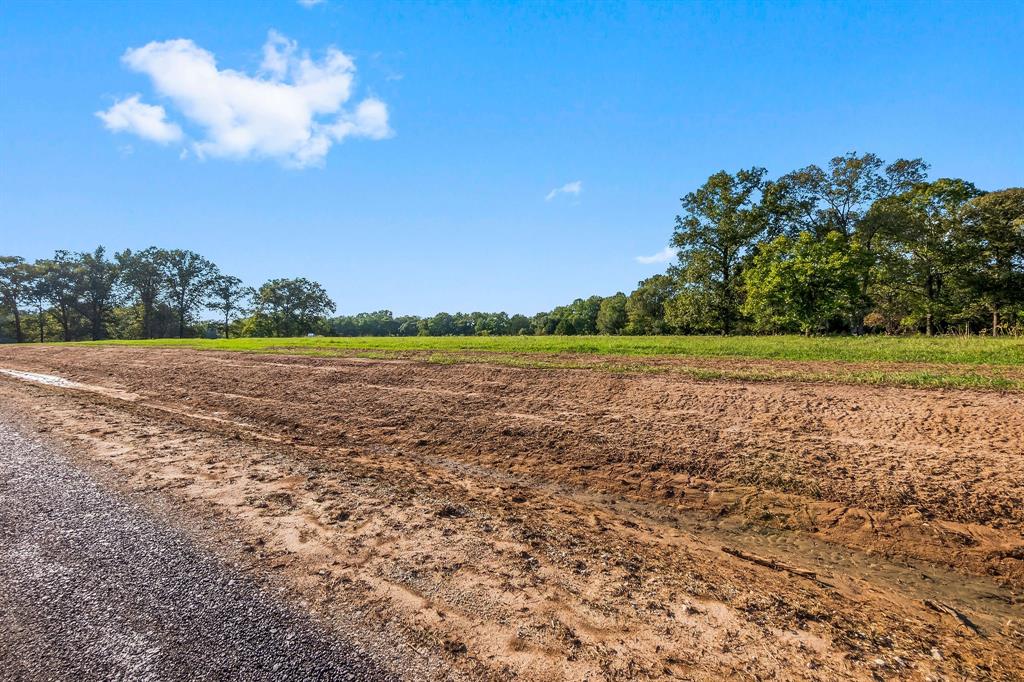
point(293, 110)
point(277, 52)
point(310, 3)
point(663, 256)
point(145, 120)
point(573, 188)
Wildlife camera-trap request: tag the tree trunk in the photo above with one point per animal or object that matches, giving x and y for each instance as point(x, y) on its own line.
point(226, 323)
point(859, 313)
point(181, 318)
point(42, 324)
point(17, 324)
point(726, 298)
point(995, 321)
point(65, 324)
point(97, 324)
point(929, 292)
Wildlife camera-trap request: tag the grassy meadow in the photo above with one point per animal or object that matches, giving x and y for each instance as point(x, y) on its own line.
point(948, 361)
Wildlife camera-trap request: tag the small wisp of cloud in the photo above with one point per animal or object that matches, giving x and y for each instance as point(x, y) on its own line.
point(148, 121)
point(574, 188)
point(308, 4)
point(663, 256)
point(292, 110)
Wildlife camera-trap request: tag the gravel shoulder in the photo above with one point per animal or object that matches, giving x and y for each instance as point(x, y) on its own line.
point(91, 587)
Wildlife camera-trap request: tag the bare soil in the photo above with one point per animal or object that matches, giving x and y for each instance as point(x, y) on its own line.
point(579, 524)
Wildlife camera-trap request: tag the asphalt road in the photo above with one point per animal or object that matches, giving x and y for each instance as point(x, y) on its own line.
point(92, 587)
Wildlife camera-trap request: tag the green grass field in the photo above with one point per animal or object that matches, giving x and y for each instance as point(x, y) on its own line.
point(943, 362)
point(939, 350)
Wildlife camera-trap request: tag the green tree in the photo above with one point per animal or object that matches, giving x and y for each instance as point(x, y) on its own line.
point(440, 325)
point(583, 314)
point(801, 283)
point(62, 286)
point(229, 296)
point(490, 324)
point(142, 275)
point(918, 246)
point(462, 324)
point(688, 310)
point(645, 307)
point(408, 325)
point(840, 198)
point(15, 281)
point(992, 235)
point(98, 279)
point(722, 221)
point(519, 325)
point(36, 296)
point(187, 277)
point(611, 316)
point(565, 327)
point(837, 198)
point(544, 323)
point(293, 307)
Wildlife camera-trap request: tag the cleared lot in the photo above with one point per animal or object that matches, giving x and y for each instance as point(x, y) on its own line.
point(572, 522)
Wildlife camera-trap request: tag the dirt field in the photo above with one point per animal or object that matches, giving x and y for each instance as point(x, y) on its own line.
point(545, 524)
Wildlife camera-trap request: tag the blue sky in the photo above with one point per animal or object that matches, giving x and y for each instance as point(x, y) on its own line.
point(437, 195)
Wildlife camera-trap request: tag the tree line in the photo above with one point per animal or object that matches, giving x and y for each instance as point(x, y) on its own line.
point(859, 245)
point(152, 293)
point(856, 246)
